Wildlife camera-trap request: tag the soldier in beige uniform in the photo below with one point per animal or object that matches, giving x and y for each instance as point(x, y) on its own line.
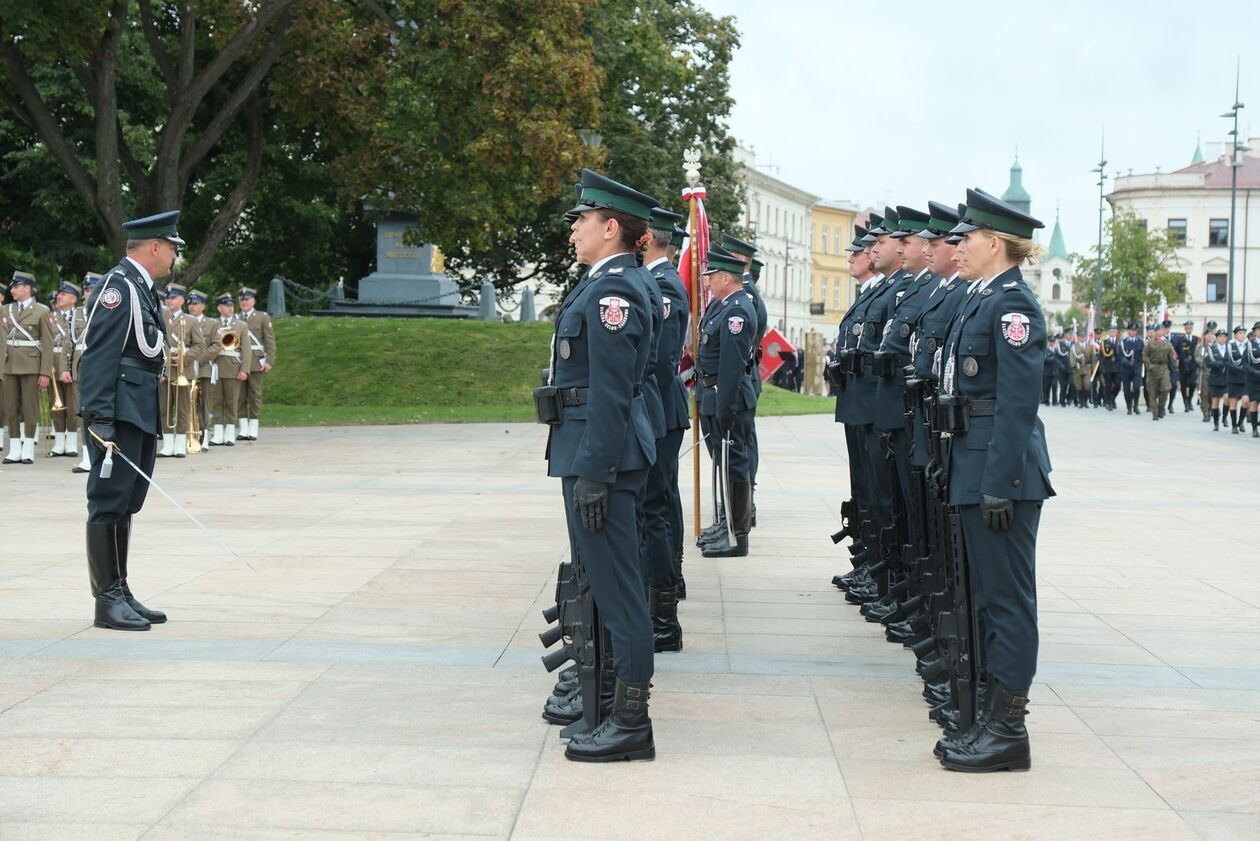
point(28, 330)
point(1082, 369)
point(67, 324)
point(4, 353)
point(202, 363)
point(229, 370)
point(184, 344)
point(1157, 356)
point(90, 281)
point(262, 345)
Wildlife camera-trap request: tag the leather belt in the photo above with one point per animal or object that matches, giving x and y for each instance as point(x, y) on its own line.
point(142, 364)
point(868, 359)
point(709, 381)
point(573, 396)
point(22, 343)
point(981, 408)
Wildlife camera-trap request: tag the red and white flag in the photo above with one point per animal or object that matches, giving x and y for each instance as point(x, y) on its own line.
point(699, 240)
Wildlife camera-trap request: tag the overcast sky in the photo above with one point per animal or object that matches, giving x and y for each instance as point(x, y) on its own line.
point(904, 102)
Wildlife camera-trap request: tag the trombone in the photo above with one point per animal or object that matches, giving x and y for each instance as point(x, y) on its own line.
point(46, 410)
point(174, 385)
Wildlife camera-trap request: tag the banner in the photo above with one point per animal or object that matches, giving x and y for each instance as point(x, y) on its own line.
point(773, 348)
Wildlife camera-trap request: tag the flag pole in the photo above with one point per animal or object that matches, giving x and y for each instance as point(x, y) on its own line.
point(691, 166)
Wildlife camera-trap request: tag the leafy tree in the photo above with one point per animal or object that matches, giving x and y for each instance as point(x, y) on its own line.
point(1137, 265)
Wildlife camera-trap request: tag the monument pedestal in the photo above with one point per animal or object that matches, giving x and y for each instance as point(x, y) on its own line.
point(409, 281)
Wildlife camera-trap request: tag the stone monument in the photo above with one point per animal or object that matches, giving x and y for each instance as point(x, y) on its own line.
point(409, 280)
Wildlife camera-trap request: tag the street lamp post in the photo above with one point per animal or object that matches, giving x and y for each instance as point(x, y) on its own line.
point(1102, 203)
point(1234, 163)
point(787, 271)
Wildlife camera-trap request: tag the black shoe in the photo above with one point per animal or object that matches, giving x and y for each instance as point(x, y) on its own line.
point(567, 681)
point(862, 595)
point(112, 610)
point(741, 513)
point(123, 536)
point(666, 631)
point(563, 709)
point(1001, 744)
point(77, 469)
point(625, 734)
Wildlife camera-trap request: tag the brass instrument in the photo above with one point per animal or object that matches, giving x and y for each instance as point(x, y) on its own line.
point(174, 385)
point(57, 405)
point(194, 422)
point(229, 341)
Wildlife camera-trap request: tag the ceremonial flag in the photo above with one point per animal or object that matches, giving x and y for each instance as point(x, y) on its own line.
point(698, 240)
point(1089, 322)
point(773, 348)
point(1162, 313)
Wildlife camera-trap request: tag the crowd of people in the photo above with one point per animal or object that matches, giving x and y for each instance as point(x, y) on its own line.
point(212, 382)
point(1157, 369)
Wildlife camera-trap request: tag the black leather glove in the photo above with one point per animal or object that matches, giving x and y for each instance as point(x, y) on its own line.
point(102, 429)
point(590, 500)
point(935, 474)
point(727, 425)
point(998, 513)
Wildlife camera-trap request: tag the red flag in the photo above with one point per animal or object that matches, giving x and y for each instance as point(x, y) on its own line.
point(698, 239)
point(773, 348)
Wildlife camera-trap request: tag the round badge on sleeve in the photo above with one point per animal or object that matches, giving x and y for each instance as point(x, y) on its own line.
point(1015, 329)
point(857, 329)
point(970, 366)
point(905, 330)
point(613, 313)
point(111, 298)
point(664, 307)
point(735, 324)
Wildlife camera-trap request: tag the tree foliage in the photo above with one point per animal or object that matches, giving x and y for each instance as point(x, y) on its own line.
point(1137, 265)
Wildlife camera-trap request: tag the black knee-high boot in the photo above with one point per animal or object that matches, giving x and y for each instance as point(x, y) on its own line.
point(1216, 420)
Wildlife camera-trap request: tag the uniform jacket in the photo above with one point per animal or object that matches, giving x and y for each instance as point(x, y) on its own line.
point(261, 338)
point(1131, 348)
point(1158, 354)
point(1185, 347)
point(602, 343)
point(1235, 357)
point(890, 395)
point(871, 314)
point(64, 339)
point(846, 396)
point(675, 310)
point(23, 357)
point(937, 313)
point(763, 324)
point(995, 352)
point(226, 364)
point(1109, 356)
point(728, 337)
point(210, 345)
point(652, 400)
point(182, 328)
point(109, 390)
point(78, 335)
point(1216, 357)
point(1252, 364)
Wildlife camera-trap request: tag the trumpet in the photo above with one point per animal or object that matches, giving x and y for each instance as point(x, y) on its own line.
point(229, 341)
point(173, 385)
point(57, 405)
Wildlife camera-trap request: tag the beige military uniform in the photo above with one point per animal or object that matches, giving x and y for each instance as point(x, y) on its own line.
point(1083, 357)
point(182, 331)
point(1157, 355)
point(68, 326)
point(262, 340)
point(28, 332)
point(1205, 399)
point(225, 388)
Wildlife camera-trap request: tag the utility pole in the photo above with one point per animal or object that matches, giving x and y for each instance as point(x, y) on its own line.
point(787, 272)
point(1234, 148)
point(1102, 204)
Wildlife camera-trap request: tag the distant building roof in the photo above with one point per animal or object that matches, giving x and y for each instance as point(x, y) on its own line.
point(1198, 153)
point(1015, 192)
point(1057, 247)
point(1216, 173)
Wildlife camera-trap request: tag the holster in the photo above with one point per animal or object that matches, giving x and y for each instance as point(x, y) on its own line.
point(951, 414)
point(547, 405)
point(884, 364)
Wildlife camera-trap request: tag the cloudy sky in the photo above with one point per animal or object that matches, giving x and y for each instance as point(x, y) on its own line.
point(905, 102)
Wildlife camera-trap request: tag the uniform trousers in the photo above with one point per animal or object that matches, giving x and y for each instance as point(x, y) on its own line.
point(610, 557)
point(1157, 389)
point(855, 443)
point(754, 451)
point(1003, 568)
point(1131, 382)
point(21, 402)
point(878, 478)
point(116, 498)
point(658, 530)
point(251, 396)
point(225, 398)
point(67, 421)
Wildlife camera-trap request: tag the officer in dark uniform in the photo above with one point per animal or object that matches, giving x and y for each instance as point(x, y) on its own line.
point(660, 536)
point(1236, 385)
point(1252, 365)
point(1109, 366)
point(603, 445)
point(747, 252)
point(728, 335)
point(119, 404)
point(1131, 347)
point(999, 468)
point(1184, 345)
point(1215, 360)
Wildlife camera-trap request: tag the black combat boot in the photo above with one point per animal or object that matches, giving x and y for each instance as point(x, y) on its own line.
point(563, 708)
point(1216, 420)
point(1255, 425)
point(1233, 421)
point(123, 535)
point(625, 734)
point(566, 681)
point(1001, 744)
point(953, 738)
point(682, 584)
point(666, 631)
point(112, 610)
point(741, 512)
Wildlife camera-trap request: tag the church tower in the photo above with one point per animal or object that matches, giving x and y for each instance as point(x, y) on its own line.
point(1015, 194)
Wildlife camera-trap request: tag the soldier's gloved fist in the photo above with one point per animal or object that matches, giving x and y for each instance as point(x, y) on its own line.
point(590, 500)
point(727, 425)
point(103, 430)
point(998, 513)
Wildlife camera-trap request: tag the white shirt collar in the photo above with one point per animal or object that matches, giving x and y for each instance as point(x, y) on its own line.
point(656, 262)
point(601, 263)
point(143, 272)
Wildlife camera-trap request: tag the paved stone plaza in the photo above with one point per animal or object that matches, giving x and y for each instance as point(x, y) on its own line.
point(376, 674)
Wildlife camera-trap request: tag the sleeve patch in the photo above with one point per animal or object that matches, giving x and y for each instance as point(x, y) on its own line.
point(664, 307)
point(111, 298)
point(613, 313)
point(1015, 329)
point(735, 324)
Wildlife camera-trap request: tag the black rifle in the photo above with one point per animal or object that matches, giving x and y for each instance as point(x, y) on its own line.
point(848, 521)
point(580, 628)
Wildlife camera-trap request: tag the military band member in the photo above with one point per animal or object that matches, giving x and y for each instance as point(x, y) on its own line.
point(661, 536)
point(4, 355)
point(1157, 357)
point(27, 328)
point(1063, 356)
point(262, 350)
point(1215, 361)
point(1082, 370)
point(1252, 365)
point(120, 410)
point(602, 446)
point(1236, 385)
point(203, 364)
point(67, 323)
point(1109, 366)
point(91, 280)
point(185, 344)
point(229, 371)
point(1185, 344)
point(1131, 347)
point(999, 469)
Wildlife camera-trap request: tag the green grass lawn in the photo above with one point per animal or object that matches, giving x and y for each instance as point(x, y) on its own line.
point(348, 371)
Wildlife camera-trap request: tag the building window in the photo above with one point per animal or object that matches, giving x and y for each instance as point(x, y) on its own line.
point(1056, 292)
point(1216, 288)
point(1218, 232)
point(826, 235)
point(1177, 231)
point(836, 242)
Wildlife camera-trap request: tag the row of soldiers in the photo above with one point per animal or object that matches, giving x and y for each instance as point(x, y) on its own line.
point(1156, 368)
point(212, 388)
point(937, 384)
point(615, 400)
